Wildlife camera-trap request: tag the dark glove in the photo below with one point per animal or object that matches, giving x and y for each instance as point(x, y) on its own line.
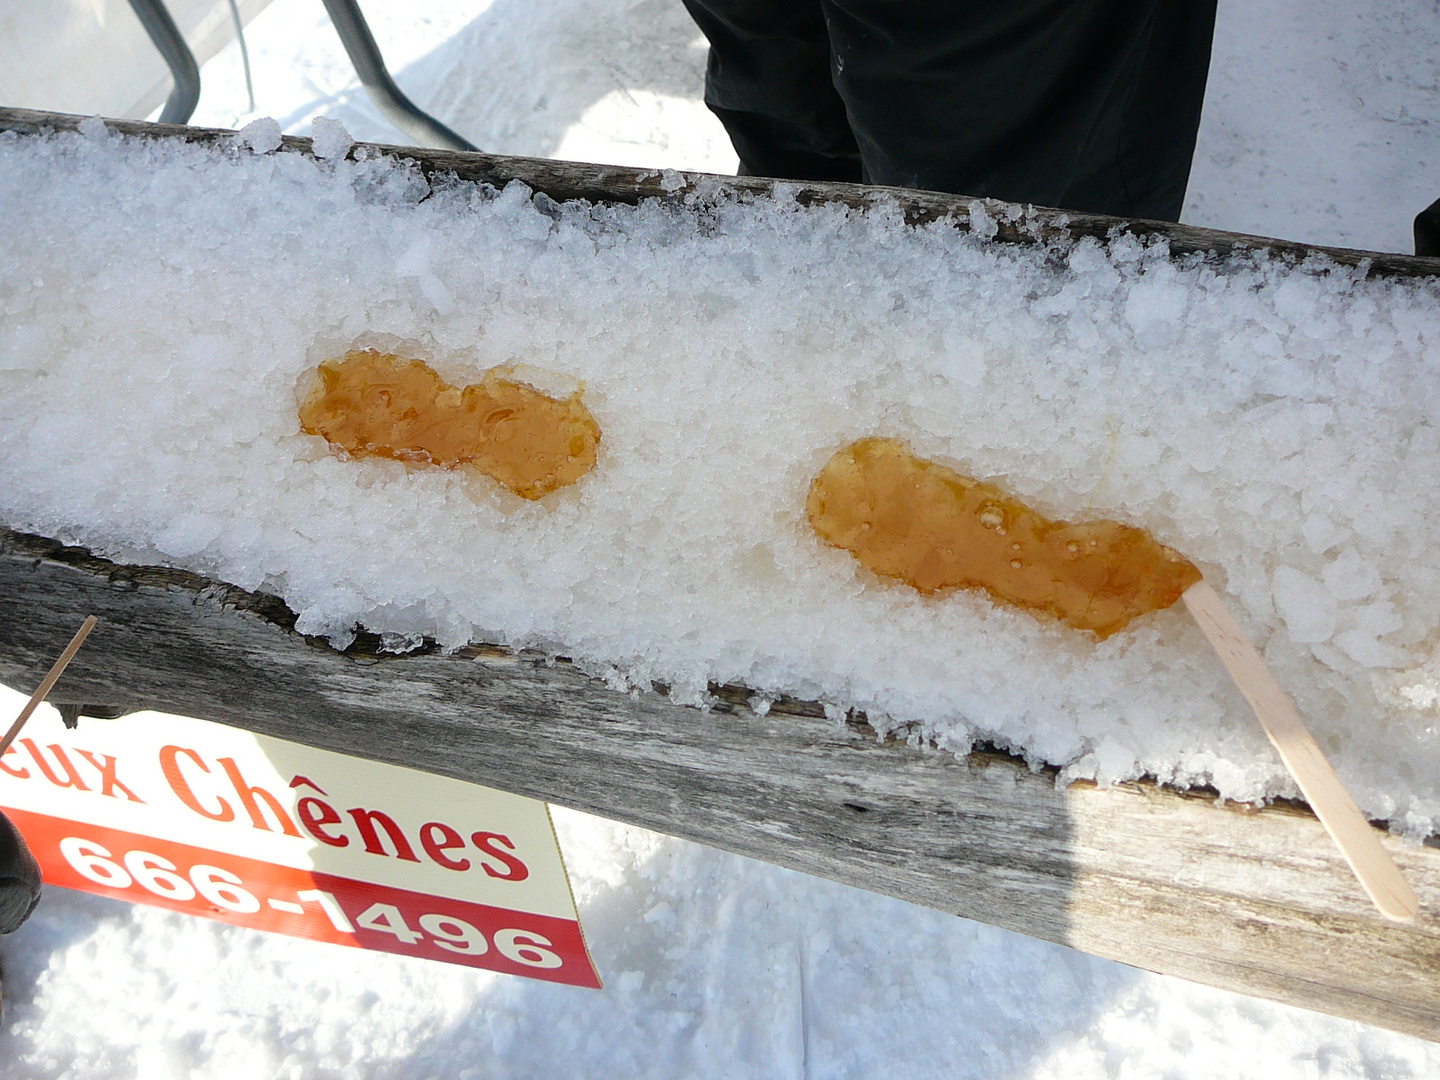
point(19, 878)
point(1427, 230)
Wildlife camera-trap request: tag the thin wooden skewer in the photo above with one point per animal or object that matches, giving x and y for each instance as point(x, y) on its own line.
point(48, 683)
point(1327, 796)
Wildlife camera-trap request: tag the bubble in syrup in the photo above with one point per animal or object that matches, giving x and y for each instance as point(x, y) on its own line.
point(929, 530)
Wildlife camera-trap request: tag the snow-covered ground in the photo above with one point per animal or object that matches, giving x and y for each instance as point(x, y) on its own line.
point(1321, 120)
point(589, 80)
point(719, 966)
point(715, 966)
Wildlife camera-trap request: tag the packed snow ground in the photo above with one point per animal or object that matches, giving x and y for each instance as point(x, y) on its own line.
point(718, 966)
point(1320, 121)
point(715, 966)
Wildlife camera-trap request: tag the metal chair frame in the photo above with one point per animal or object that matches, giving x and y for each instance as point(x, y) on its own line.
point(360, 47)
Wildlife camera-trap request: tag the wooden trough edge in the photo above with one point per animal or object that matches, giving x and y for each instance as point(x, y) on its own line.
point(1257, 901)
point(569, 180)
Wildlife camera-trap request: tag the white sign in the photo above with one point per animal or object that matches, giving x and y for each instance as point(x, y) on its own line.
point(216, 821)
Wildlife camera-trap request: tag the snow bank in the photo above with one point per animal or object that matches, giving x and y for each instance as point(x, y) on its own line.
point(159, 304)
point(716, 966)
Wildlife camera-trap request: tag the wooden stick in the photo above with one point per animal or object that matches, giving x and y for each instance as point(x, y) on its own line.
point(1353, 834)
point(48, 683)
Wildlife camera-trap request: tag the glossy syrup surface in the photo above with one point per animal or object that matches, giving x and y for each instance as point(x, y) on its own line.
point(373, 404)
point(929, 526)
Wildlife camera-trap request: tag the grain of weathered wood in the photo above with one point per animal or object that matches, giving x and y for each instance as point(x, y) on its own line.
point(51, 678)
point(1258, 902)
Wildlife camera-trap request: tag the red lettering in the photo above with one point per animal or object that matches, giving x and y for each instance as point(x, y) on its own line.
point(436, 849)
point(170, 766)
point(315, 815)
point(365, 822)
point(64, 762)
point(252, 807)
point(515, 870)
point(21, 773)
point(108, 781)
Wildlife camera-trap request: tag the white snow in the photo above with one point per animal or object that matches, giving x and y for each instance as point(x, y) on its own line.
point(261, 134)
point(741, 968)
point(1320, 122)
point(1350, 577)
point(727, 350)
point(1307, 607)
point(331, 140)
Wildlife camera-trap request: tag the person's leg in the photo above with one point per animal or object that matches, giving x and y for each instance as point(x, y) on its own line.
point(1089, 105)
point(768, 80)
point(1153, 130)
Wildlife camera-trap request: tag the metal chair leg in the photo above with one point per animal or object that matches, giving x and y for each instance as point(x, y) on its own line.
point(389, 99)
point(185, 94)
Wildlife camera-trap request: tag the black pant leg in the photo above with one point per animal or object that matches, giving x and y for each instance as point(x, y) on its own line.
point(768, 80)
point(1083, 104)
point(1159, 122)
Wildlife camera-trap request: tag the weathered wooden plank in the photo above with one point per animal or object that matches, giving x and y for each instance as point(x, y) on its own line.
point(565, 180)
point(1255, 901)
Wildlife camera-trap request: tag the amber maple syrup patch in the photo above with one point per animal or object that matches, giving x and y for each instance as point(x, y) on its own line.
point(373, 404)
point(929, 526)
